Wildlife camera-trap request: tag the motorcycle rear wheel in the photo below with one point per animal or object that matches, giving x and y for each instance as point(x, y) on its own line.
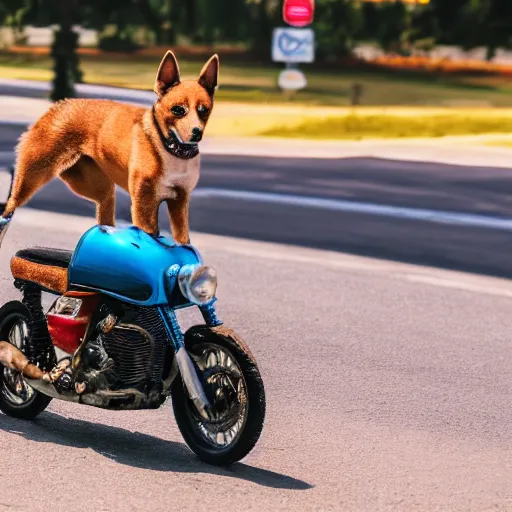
point(233, 385)
point(17, 399)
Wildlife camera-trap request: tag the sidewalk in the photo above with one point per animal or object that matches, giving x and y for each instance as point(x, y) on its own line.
point(460, 150)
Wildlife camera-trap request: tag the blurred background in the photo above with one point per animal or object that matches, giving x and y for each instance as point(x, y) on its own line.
point(379, 128)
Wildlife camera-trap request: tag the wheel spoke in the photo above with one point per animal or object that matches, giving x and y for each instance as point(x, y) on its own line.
point(222, 358)
point(212, 360)
point(225, 384)
point(18, 335)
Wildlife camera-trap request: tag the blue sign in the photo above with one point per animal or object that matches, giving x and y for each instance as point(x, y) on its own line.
point(293, 45)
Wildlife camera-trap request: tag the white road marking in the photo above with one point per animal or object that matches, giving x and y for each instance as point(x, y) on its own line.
point(100, 90)
point(401, 212)
point(286, 254)
point(458, 285)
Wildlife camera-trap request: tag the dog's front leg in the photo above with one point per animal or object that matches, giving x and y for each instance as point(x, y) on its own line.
point(178, 215)
point(145, 205)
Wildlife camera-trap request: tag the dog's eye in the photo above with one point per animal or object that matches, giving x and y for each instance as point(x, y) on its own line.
point(178, 110)
point(202, 110)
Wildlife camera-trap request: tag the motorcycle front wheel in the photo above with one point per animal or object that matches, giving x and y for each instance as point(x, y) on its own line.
point(233, 385)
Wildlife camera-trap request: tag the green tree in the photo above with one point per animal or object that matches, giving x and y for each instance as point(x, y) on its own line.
point(260, 19)
point(485, 23)
point(14, 14)
point(370, 16)
point(116, 22)
point(159, 16)
point(447, 15)
point(394, 31)
point(338, 24)
point(426, 30)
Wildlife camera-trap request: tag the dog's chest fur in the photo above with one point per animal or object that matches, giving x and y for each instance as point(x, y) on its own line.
point(176, 173)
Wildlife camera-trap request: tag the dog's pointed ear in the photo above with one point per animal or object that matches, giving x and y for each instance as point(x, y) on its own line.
point(210, 74)
point(168, 74)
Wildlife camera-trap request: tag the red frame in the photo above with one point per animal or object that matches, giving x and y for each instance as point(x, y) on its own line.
point(67, 332)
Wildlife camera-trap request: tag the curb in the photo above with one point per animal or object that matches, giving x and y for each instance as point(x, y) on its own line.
point(17, 124)
point(103, 91)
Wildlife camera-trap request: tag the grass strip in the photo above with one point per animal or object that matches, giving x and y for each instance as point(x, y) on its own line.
point(355, 126)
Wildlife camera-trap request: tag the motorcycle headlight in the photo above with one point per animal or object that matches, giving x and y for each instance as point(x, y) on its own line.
point(198, 283)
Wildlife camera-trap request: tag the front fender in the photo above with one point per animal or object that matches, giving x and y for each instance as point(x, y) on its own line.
point(205, 333)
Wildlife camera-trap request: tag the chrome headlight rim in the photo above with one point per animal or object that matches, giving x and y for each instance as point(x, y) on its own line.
point(198, 283)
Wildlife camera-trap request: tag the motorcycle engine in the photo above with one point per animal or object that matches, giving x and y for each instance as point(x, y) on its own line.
point(128, 351)
point(97, 368)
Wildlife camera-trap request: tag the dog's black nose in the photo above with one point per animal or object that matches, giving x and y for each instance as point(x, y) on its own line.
point(197, 135)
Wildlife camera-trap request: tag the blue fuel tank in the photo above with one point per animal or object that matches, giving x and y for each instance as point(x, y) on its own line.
point(129, 264)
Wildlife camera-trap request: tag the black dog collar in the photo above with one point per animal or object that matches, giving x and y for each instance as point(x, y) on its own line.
point(174, 146)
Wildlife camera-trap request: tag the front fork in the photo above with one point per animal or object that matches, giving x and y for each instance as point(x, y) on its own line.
point(185, 364)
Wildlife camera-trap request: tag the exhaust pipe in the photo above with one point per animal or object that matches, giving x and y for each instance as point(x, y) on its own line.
point(48, 389)
point(14, 359)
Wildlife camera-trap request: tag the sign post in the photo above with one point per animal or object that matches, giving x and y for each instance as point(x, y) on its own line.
point(294, 45)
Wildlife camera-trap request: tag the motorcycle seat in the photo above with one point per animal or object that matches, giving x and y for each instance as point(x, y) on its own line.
point(44, 266)
point(47, 256)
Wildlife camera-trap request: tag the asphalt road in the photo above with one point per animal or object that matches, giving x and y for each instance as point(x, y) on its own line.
point(433, 186)
point(388, 389)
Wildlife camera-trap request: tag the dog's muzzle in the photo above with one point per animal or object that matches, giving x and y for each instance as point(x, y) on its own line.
point(173, 143)
point(197, 135)
point(180, 149)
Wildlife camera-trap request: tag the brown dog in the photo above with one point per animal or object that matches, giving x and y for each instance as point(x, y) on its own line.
point(92, 145)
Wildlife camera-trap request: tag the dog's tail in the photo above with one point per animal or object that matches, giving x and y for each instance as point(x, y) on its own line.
point(6, 219)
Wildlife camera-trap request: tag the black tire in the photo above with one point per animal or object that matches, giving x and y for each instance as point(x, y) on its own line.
point(10, 313)
point(183, 407)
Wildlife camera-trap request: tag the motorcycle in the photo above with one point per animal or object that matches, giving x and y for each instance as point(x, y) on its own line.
point(111, 339)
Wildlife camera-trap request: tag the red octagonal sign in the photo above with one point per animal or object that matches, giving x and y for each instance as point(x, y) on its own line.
point(299, 13)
